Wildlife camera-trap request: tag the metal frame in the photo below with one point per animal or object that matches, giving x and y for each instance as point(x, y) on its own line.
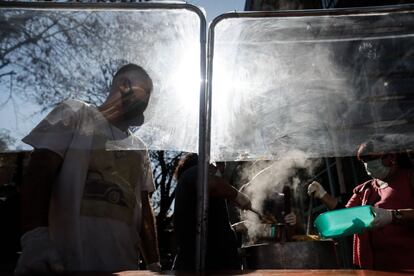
point(102, 6)
point(206, 58)
point(309, 12)
point(280, 14)
point(283, 14)
point(202, 194)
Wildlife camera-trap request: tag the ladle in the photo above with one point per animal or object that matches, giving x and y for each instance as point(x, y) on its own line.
point(308, 225)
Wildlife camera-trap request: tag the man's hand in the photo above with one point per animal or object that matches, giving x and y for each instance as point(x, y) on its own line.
point(316, 189)
point(39, 254)
point(382, 217)
point(290, 219)
point(243, 201)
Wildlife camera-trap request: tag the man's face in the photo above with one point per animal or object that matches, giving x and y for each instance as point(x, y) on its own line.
point(134, 101)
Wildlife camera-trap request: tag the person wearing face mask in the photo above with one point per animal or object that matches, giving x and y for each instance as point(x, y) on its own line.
point(389, 242)
point(85, 193)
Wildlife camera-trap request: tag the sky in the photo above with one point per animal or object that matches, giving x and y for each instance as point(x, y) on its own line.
point(216, 7)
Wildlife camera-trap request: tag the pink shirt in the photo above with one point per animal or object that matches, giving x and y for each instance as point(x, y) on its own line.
point(390, 247)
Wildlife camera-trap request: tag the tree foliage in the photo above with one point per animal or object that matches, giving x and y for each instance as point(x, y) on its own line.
point(5, 139)
point(50, 56)
point(44, 52)
point(164, 164)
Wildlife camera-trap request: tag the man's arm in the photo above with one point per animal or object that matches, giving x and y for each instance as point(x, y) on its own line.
point(220, 187)
point(329, 201)
point(315, 189)
point(36, 188)
point(404, 216)
point(383, 217)
point(148, 233)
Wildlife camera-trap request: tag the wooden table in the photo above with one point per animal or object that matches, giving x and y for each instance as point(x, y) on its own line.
point(264, 272)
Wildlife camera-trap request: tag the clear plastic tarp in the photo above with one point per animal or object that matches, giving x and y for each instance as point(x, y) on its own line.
point(319, 84)
point(51, 55)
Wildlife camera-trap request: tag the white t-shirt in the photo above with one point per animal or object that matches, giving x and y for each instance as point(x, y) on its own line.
point(95, 209)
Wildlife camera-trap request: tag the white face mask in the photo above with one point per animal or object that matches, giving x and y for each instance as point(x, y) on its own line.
point(376, 169)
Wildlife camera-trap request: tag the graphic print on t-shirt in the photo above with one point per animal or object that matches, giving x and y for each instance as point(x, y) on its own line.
point(110, 185)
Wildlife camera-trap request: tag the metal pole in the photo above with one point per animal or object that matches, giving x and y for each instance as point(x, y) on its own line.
point(248, 6)
point(340, 173)
point(204, 153)
point(330, 177)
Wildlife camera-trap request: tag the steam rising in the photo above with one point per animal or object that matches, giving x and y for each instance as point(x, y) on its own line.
point(320, 84)
point(269, 178)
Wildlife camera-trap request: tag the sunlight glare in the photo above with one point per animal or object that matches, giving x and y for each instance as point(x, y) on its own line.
point(187, 78)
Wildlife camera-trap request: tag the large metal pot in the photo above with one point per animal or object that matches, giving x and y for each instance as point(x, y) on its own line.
point(295, 255)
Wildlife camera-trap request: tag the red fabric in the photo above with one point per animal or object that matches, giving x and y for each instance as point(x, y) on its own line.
point(390, 247)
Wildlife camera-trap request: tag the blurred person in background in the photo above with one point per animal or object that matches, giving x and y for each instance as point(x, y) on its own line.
point(222, 245)
point(389, 244)
point(85, 195)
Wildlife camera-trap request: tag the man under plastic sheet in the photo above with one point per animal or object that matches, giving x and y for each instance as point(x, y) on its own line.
point(85, 202)
point(221, 251)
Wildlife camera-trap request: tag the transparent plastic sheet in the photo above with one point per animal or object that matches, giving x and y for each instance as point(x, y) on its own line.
point(51, 55)
point(318, 84)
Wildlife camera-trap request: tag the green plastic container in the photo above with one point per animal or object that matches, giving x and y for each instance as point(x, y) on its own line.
point(344, 222)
